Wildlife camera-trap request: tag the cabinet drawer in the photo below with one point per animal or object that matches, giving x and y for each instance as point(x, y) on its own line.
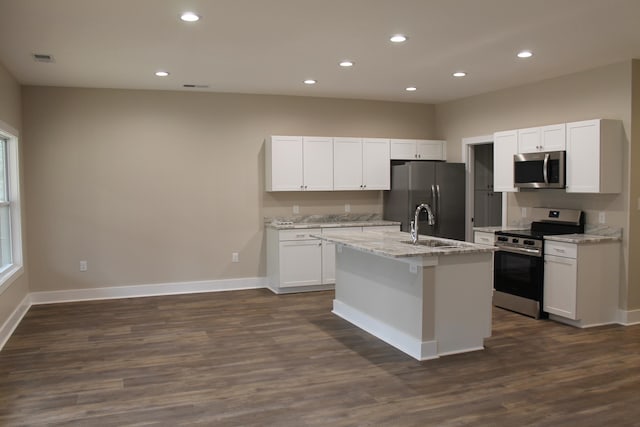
point(483, 238)
point(561, 249)
point(300, 234)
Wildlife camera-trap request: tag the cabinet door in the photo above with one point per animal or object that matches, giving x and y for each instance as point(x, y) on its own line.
point(300, 263)
point(329, 253)
point(376, 168)
point(318, 163)
point(285, 166)
point(505, 146)
point(554, 137)
point(583, 157)
point(403, 149)
point(430, 150)
point(529, 140)
point(560, 286)
point(347, 164)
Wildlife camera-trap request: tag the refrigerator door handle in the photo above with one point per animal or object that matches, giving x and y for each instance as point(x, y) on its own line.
point(438, 204)
point(434, 204)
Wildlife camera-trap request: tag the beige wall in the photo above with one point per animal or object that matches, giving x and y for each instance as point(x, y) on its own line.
point(10, 114)
point(634, 190)
point(600, 93)
point(156, 187)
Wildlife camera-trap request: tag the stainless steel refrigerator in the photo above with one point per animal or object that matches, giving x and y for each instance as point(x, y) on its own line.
point(441, 185)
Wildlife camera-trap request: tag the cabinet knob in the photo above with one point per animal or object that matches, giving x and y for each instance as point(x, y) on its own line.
point(305, 187)
point(364, 186)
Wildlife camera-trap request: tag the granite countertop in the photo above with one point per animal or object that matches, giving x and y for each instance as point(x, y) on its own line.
point(593, 233)
point(582, 238)
point(389, 244)
point(327, 221)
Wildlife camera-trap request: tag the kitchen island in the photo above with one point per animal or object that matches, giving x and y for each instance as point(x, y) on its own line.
point(428, 300)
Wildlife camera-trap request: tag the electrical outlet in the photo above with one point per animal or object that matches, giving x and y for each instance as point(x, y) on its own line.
point(83, 266)
point(235, 257)
point(296, 209)
point(601, 217)
point(347, 207)
point(523, 212)
point(413, 268)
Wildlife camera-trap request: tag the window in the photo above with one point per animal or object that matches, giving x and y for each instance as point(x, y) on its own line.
point(10, 228)
point(6, 255)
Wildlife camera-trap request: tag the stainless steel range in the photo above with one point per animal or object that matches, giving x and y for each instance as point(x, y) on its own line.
point(518, 274)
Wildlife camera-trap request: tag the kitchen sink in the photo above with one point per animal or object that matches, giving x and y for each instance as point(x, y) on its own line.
point(433, 243)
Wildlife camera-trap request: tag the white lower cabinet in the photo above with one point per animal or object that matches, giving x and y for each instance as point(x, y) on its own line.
point(329, 253)
point(329, 249)
point(581, 282)
point(483, 238)
point(561, 284)
point(297, 262)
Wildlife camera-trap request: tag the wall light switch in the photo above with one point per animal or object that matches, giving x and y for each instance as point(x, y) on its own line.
point(602, 217)
point(83, 266)
point(235, 257)
point(413, 268)
point(523, 212)
point(347, 207)
point(296, 209)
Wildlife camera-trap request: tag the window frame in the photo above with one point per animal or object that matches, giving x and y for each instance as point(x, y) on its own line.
point(15, 269)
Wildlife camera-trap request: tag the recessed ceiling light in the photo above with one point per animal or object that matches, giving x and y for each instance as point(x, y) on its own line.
point(189, 17)
point(525, 54)
point(411, 89)
point(459, 74)
point(162, 73)
point(310, 82)
point(346, 64)
point(398, 38)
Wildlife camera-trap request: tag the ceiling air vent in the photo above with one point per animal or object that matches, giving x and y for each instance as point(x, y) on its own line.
point(196, 86)
point(43, 57)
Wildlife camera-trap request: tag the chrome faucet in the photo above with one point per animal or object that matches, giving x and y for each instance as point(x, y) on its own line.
point(414, 224)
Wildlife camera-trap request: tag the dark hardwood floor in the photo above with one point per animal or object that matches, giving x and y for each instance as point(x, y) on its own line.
point(251, 358)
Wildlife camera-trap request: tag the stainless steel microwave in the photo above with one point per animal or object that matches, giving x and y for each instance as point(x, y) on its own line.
point(539, 170)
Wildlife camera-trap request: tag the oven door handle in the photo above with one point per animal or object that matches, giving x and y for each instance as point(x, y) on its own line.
point(521, 251)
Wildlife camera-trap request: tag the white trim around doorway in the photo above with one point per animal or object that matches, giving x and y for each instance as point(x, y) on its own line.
point(467, 158)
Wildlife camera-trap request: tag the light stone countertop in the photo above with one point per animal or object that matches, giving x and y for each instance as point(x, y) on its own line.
point(594, 233)
point(582, 238)
point(327, 221)
point(389, 244)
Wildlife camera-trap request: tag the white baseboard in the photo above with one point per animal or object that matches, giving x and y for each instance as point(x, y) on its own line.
point(420, 350)
point(71, 295)
point(13, 321)
point(629, 317)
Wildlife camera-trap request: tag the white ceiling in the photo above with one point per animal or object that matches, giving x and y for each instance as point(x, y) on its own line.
point(271, 46)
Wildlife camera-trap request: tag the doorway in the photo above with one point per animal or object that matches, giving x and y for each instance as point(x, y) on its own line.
point(487, 205)
point(484, 207)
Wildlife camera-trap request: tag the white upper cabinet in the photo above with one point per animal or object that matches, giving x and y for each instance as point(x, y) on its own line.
point(505, 146)
point(554, 137)
point(544, 138)
point(361, 164)
point(418, 149)
point(317, 153)
point(376, 170)
point(283, 163)
point(594, 156)
point(294, 163)
point(347, 163)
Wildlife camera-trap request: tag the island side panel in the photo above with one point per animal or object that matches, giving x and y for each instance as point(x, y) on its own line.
point(384, 297)
point(464, 286)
